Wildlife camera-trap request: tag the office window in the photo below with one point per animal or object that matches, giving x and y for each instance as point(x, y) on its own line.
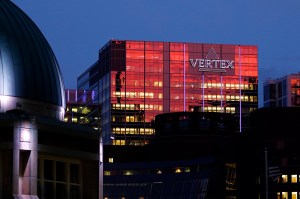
point(294, 178)
point(284, 178)
point(285, 195)
point(294, 195)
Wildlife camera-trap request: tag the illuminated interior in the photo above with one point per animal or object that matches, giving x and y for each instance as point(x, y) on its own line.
point(141, 79)
point(143, 85)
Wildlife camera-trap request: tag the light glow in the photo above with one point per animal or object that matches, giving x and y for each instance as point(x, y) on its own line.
point(25, 135)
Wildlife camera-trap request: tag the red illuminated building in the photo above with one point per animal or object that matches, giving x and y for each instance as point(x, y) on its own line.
point(134, 81)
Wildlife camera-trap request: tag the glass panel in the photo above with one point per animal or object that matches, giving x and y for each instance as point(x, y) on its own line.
point(61, 171)
point(48, 170)
point(74, 192)
point(74, 173)
point(61, 191)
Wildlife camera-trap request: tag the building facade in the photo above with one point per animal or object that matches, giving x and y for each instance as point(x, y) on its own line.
point(136, 80)
point(282, 92)
point(193, 155)
point(43, 158)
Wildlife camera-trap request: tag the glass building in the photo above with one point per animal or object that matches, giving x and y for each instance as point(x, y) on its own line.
point(134, 81)
point(282, 92)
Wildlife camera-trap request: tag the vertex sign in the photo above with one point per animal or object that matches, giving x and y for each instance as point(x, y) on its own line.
point(212, 63)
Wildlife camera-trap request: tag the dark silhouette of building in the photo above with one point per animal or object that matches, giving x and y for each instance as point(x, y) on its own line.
point(194, 155)
point(201, 155)
point(274, 132)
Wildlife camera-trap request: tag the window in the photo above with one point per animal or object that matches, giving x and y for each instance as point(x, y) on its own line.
point(294, 178)
point(59, 178)
point(284, 178)
point(285, 195)
point(294, 195)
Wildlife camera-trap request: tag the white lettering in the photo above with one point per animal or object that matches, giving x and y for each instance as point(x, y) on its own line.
point(230, 64)
point(214, 64)
point(201, 63)
point(193, 63)
point(223, 64)
point(208, 63)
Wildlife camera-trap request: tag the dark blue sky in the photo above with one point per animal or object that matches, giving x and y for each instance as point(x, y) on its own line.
point(77, 29)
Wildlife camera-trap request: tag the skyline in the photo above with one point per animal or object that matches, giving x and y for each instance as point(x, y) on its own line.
point(77, 31)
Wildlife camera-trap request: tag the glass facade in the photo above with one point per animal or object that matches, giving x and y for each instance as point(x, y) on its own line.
point(136, 80)
point(282, 92)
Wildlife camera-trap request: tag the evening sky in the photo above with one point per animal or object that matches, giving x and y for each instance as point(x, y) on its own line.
point(77, 29)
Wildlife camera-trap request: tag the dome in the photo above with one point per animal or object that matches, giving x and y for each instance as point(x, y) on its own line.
point(30, 77)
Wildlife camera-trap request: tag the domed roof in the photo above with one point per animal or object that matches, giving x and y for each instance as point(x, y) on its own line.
point(28, 67)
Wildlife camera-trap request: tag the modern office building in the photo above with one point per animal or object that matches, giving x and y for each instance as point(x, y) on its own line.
point(40, 155)
point(136, 80)
point(282, 92)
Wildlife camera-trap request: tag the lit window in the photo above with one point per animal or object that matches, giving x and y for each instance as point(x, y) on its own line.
point(294, 178)
point(285, 195)
point(107, 173)
point(294, 195)
point(111, 160)
point(284, 178)
point(187, 169)
point(128, 173)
